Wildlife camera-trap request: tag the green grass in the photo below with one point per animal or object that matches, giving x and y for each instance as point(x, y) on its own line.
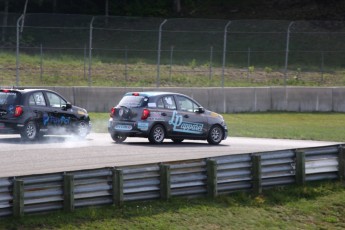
point(317, 206)
point(69, 70)
point(304, 126)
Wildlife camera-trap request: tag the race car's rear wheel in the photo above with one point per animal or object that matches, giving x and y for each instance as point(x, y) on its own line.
point(215, 135)
point(30, 131)
point(157, 134)
point(118, 138)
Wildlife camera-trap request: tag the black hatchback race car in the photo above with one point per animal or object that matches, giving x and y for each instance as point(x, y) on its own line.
point(33, 113)
point(160, 115)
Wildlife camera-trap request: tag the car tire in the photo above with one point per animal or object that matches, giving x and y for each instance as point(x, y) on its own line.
point(157, 134)
point(118, 138)
point(215, 135)
point(82, 129)
point(177, 140)
point(30, 131)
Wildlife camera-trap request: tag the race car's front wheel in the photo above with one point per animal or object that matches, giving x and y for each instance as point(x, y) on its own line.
point(83, 129)
point(30, 131)
point(157, 134)
point(118, 138)
point(215, 135)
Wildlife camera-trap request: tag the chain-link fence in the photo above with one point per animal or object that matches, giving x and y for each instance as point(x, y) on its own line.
point(50, 49)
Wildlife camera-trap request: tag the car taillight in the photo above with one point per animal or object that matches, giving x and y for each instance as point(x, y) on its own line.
point(145, 114)
point(18, 111)
point(112, 112)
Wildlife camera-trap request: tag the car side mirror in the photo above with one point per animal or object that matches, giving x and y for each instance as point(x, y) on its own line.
point(201, 110)
point(67, 106)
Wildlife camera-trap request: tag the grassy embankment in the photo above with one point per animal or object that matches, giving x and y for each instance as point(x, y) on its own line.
point(68, 70)
point(304, 126)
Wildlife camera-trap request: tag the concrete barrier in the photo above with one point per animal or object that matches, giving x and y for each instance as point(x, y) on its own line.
point(222, 100)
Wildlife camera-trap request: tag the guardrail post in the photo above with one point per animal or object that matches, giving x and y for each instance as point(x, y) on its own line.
point(256, 175)
point(300, 167)
point(212, 189)
point(68, 192)
point(18, 198)
point(118, 187)
point(165, 188)
point(341, 162)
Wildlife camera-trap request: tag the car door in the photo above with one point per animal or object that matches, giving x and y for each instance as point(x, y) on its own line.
point(39, 108)
point(58, 115)
point(162, 111)
point(186, 120)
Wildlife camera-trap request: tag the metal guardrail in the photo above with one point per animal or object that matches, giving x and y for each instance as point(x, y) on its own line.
point(202, 177)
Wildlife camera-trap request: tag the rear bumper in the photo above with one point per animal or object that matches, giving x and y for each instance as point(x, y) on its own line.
point(10, 128)
point(129, 129)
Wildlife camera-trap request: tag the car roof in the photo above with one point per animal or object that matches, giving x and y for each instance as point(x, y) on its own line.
point(152, 93)
point(21, 90)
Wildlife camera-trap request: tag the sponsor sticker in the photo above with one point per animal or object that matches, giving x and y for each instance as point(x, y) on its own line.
point(144, 126)
point(152, 105)
point(185, 127)
point(155, 116)
point(123, 127)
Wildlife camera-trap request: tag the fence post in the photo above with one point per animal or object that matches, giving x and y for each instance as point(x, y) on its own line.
point(159, 53)
point(85, 62)
point(212, 188)
point(341, 162)
point(287, 51)
point(90, 50)
point(17, 50)
point(224, 50)
point(68, 192)
point(165, 188)
point(118, 187)
point(18, 198)
point(300, 167)
point(256, 175)
point(171, 62)
point(211, 63)
point(126, 65)
point(248, 63)
point(41, 62)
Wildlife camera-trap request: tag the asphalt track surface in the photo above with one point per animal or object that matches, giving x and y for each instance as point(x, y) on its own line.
point(67, 153)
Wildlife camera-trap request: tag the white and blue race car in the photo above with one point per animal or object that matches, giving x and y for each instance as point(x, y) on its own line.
point(163, 115)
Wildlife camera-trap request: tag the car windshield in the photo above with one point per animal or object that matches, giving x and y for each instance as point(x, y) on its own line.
point(132, 101)
point(8, 98)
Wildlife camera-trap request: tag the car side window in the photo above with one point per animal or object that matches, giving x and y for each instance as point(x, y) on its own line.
point(169, 102)
point(186, 104)
point(37, 99)
point(160, 103)
point(55, 100)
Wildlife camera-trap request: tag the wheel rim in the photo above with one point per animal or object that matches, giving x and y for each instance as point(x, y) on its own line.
point(158, 134)
point(31, 130)
point(216, 134)
point(82, 129)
